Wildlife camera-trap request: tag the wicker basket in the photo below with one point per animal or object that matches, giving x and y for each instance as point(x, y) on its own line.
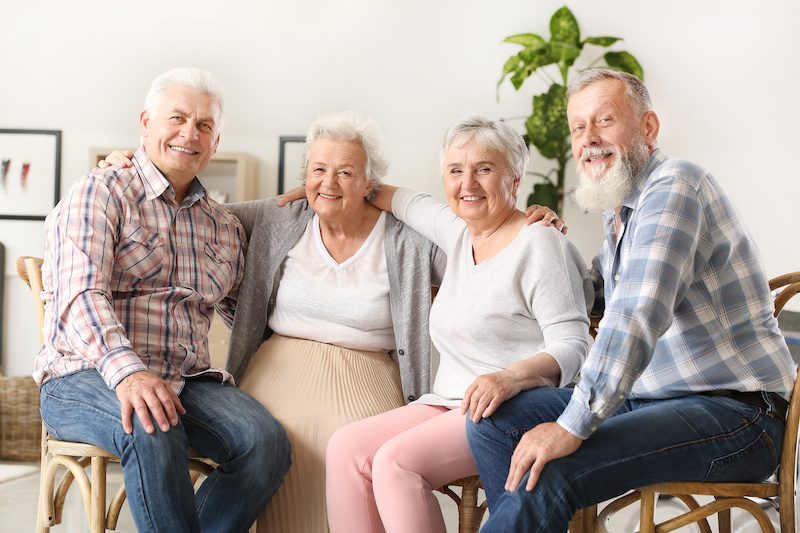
point(20, 422)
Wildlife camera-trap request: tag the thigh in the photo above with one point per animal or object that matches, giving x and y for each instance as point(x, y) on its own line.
point(222, 420)
point(696, 438)
point(436, 449)
point(359, 441)
point(80, 407)
point(530, 408)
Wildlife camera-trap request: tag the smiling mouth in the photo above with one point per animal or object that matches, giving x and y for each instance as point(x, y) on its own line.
point(472, 198)
point(329, 197)
point(182, 149)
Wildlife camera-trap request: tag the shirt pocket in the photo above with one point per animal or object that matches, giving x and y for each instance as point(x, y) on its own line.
point(141, 257)
point(219, 269)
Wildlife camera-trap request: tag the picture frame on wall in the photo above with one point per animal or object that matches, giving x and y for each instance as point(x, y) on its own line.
point(290, 161)
point(30, 173)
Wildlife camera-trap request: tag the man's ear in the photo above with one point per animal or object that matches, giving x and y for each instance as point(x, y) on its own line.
point(216, 145)
point(650, 127)
point(144, 123)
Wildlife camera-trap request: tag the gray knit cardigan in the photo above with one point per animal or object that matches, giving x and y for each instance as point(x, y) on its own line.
point(414, 264)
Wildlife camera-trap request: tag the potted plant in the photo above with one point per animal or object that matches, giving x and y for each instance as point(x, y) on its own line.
point(547, 128)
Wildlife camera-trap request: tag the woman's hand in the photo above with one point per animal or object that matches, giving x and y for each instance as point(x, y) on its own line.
point(488, 391)
point(298, 193)
point(117, 157)
point(535, 213)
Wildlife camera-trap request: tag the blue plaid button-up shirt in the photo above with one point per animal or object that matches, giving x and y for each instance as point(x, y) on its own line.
point(686, 300)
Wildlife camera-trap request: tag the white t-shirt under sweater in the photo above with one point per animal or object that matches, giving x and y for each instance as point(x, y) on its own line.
point(344, 304)
point(531, 297)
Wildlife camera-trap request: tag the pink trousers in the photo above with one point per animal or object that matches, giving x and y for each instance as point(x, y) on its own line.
point(381, 470)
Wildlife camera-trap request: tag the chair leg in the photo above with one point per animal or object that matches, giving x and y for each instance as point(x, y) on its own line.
point(97, 518)
point(469, 513)
point(45, 514)
point(647, 511)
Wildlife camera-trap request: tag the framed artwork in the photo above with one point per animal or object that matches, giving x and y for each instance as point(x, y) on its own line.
point(30, 173)
point(290, 161)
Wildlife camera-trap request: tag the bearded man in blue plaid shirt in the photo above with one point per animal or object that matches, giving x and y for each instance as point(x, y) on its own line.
point(689, 376)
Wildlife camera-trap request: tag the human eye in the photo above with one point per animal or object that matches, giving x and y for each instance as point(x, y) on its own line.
point(484, 170)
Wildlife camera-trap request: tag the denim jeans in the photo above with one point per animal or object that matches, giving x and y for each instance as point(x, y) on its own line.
point(221, 421)
point(694, 438)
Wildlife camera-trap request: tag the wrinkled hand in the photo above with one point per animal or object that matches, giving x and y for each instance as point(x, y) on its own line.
point(543, 443)
point(298, 193)
point(535, 213)
point(147, 394)
point(487, 392)
point(117, 157)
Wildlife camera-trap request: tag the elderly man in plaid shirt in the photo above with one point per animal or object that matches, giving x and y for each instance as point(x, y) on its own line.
point(136, 261)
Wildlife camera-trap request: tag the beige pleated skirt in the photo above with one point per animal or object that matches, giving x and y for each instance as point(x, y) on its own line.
point(313, 389)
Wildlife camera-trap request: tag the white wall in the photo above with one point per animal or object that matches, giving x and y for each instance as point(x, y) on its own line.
point(721, 76)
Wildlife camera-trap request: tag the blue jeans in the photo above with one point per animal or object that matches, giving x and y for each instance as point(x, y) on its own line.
point(221, 421)
point(695, 438)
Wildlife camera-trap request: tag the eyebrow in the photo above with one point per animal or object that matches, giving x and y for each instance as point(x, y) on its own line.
point(183, 113)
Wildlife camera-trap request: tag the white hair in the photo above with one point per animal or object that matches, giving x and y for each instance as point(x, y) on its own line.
point(191, 78)
point(350, 126)
point(490, 134)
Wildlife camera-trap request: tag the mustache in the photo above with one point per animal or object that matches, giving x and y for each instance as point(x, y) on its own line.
point(597, 151)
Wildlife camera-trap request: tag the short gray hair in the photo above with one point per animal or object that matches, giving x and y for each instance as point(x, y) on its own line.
point(491, 134)
point(635, 91)
point(191, 78)
point(350, 126)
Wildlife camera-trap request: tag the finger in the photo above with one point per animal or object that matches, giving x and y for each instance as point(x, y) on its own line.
point(492, 407)
point(564, 229)
point(144, 416)
point(467, 399)
point(536, 470)
point(126, 413)
point(158, 411)
point(483, 401)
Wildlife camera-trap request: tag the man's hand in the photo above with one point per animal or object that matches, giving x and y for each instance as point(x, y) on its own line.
point(117, 157)
point(147, 393)
point(543, 443)
point(487, 392)
point(298, 193)
point(548, 217)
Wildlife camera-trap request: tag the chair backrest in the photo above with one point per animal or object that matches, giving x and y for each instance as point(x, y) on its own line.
point(789, 285)
point(29, 269)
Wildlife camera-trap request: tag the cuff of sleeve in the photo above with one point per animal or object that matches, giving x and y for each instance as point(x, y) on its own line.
point(121, 365)
point(579, 420)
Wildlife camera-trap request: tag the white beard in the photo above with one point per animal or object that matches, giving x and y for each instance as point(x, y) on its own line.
point(616, 182)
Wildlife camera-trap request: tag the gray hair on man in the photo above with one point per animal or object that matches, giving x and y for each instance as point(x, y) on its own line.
point(490, 134)
point(191, 78)
point(635, 91)
point(350, 126)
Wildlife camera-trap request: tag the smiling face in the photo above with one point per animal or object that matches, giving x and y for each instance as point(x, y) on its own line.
point(480, 186)
point(181, 134)
point(336, 183)
point(603, 126)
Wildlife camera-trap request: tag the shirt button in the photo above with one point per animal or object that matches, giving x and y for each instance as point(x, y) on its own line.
point(616, 277)
point(411, 398)
point(401, 352)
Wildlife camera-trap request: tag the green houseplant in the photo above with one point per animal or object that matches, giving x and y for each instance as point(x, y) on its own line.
point(547, 128)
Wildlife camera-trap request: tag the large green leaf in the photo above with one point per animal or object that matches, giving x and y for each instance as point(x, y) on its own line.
point(624, 62)
point(602, 41)
point(546, 193)
point(564, 27)
point(528, 40)
point(547, 126)
point(566, 53)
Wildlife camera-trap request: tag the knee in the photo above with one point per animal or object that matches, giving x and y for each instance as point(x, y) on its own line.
point(343, 453)
point(265, 444)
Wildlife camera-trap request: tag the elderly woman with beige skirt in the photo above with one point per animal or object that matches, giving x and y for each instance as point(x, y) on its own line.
point(332, 317)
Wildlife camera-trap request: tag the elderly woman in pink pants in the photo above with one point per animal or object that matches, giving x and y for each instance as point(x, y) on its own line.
point(510, 315)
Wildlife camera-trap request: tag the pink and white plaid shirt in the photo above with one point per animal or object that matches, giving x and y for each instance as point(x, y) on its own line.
point(131, 278)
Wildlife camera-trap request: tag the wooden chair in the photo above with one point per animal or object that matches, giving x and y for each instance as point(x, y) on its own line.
point(780, 493)
point(76, 456)
point(470, 513)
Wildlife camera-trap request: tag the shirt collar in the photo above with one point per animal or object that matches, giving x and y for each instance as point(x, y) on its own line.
point(653, 162)
point(156, 184)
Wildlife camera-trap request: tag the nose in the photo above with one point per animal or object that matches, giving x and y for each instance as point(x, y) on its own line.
point(591, 135)
point(470, 180)
point(189, 130)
